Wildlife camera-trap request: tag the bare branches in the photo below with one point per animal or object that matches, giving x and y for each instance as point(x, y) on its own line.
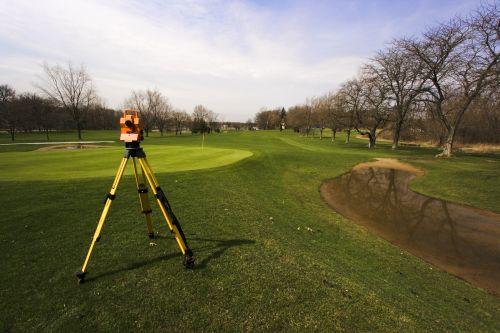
point(437, 76)
point(403, 77)
point(460, 61)
point(71, 88)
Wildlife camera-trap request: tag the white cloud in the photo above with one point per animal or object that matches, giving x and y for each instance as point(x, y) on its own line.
point(233, 57)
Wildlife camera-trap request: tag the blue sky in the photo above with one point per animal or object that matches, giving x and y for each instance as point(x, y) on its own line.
point(232, 56)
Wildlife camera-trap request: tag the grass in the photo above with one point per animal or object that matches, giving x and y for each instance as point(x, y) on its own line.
point(92, 163)
point(258, 267)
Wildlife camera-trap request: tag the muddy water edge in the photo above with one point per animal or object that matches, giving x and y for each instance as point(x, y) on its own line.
point(461, 240)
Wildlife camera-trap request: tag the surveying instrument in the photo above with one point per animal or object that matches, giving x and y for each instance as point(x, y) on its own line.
point(132, 135)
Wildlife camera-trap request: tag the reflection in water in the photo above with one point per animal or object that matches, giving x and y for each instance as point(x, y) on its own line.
point(461, 240)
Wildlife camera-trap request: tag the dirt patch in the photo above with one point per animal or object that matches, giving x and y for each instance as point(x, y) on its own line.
point(70, 147)
point(481, 148)
point(389, 163)
point(478, 148)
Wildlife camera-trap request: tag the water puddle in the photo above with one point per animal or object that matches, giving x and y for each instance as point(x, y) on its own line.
point(461, 240)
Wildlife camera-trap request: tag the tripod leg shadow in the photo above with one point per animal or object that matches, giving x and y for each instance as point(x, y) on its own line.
point(135, 265)
point(216, 245)
point(219, 247)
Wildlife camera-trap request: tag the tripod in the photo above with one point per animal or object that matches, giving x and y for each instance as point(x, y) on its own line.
point(133, 150)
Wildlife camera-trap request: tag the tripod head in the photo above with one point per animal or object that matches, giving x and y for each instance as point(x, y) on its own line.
point(130, 126)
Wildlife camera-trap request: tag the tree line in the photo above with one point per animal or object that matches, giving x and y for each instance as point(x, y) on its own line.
point(67, 100)
point(31, 112)
point(439, 86)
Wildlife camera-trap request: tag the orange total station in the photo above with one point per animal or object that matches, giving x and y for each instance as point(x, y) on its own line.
point(131, 126)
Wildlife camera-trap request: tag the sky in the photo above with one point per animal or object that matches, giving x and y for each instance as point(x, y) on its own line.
point(234, 57)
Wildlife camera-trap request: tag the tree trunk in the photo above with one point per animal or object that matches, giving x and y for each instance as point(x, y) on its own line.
point(372, 139)
point(396, 133)
point(12, 132)
point(348, 135)
point(47, 134)
point(448, 146)
point(79, 130)
point(321, 133)
point(334, 132)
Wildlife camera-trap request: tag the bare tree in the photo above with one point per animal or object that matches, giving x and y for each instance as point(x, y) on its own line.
point(299, 117)
point(213, 121)
point(268, 119)
point(333, 116)
point(320, 113)
point(404, 77)
point(141, 101)
point(37, 112)
point(200, 119)
point(349, 102)
point(375, 110)
point(72, 88)
point(180, 120)
point(159, 108)
point(8, 114)
point(461, 58)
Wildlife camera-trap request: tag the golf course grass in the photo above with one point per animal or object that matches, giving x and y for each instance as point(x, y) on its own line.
point(271, 255)
point(103, 162)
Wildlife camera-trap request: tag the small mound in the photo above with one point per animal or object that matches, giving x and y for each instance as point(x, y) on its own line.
point(70, 147)
point(390, 163)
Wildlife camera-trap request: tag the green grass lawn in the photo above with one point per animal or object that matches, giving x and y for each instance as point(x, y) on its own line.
point(245, 203)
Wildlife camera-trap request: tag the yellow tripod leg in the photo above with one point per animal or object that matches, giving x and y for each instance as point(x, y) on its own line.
point(143, 198)
point(107, 204)
point(172, 222)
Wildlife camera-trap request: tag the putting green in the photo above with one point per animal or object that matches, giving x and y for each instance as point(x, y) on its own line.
point(103, 162)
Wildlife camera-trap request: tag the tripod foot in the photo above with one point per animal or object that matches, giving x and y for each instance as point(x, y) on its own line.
point(188, 261)
point(81, 276)
point(151, 235)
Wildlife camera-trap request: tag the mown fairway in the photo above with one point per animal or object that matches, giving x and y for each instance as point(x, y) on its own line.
point(248, 212)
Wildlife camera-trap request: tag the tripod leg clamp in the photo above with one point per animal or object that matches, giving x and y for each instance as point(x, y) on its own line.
point(110, 197)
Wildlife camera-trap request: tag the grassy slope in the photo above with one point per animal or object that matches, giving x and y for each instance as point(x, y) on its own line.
point(253, 272)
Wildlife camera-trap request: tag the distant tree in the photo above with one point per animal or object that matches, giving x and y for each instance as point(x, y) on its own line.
point(375, 110)
point(144, 102)
point(282, 119)
point(180, 120)
point(333, 113)
point(320, 113)
point(299, 117)
point(72, 88)
point(159, 108)
point(213, 122)
point(101, 117)
point(8, 114)
point(349, 102)
point(199, 119)
point(268, 119)
point(249, 124)
point(37, 112)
